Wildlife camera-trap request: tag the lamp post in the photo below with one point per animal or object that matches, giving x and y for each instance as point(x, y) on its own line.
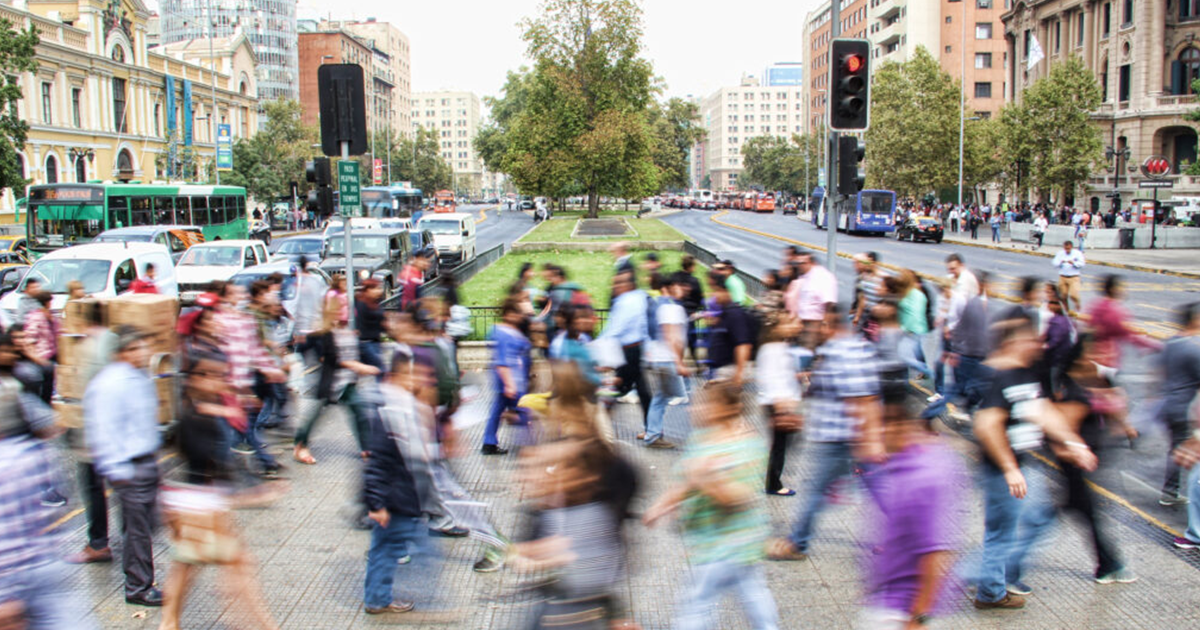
point(961, 129)
point(212, 68)
point(1116, 155)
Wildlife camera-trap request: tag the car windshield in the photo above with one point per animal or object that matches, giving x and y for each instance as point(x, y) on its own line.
point(55, 274)
point(213, 256)
point(124, 238)
point(927, 222)
point(374, 246)
point(300, 246)
point(395, 224)
point(440, 226)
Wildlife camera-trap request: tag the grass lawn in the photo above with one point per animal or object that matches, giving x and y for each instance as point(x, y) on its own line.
point(559, 231)
point(591, 270)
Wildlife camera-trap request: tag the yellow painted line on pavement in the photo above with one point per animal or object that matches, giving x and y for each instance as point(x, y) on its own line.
point(1097, 488)
point(716, 218)
point(62, 520)
point(482, 216)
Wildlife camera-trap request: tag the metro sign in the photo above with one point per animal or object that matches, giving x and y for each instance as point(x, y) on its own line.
point(1156, 167)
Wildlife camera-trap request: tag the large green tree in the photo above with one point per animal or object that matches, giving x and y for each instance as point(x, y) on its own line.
point(913, 138)
point(676, 128)
point(267, 162)
point(16, 57)
point(417, 160)
point(585, 122)
point(775, 163)
point(1050, 130)
point(492, 141)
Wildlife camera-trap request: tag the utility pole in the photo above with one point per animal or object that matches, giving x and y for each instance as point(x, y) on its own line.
point(212, 116)
point(831, 149)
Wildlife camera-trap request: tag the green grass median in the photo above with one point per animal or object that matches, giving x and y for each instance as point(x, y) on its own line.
point(559, 231)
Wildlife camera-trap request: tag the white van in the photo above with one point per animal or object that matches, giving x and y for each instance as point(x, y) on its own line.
point(337, 225)
point(453, 236)
point(216, 260)
point(105, 269)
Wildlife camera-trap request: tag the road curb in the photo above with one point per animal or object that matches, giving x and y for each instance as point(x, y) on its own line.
point(1126, 266)
point(716, 218)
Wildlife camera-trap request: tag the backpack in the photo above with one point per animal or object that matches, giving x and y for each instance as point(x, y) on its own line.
point(652, 304)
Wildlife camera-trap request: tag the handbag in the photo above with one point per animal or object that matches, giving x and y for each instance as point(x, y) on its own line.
point(200, 524)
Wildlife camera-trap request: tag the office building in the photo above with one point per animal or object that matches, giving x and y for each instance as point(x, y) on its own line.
point(455, 117)
point(733, 115)
point(340, 47)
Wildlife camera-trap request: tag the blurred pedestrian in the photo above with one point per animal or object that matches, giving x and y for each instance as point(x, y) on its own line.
point(42, 329)
point(721, 512)
point(1069, 264)
point(627, 325)
point(914, 310)
point(1109, 321)
point(1179, 369)
point(777, 371)
point(692, 300)
point(664, 366)
point(731, 333)
point(969, 346)
point(809, 295)
point(28, 301)
point(510, 373)
point(145, 283)
point(368, 318)
point(124, 439)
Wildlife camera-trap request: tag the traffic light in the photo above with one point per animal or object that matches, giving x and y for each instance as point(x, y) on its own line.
point(849, 84)
point(851, 177)
point(320, 197)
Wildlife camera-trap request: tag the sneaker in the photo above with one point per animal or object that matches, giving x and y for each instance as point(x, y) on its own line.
point(489, 564)
point(1018, 588)
point(405, 559)
point(934, 398)
point(492, 449)
point(244, 449)
point(682, 400)
point(1186, 543)
point(661, 444)
point(52, 499)
point(959, 417)
point(1120, 576)
point(394, 607)
point(1010, 602)
point(1168, 500)
point(630, 398)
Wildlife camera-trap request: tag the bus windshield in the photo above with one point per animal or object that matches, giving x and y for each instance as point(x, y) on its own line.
point(373, 246)
point(439, 226)
point(55, 274)
point(230, 256)
point(877, 203)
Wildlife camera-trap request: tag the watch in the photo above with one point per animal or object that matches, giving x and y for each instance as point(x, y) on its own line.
point(921, 619)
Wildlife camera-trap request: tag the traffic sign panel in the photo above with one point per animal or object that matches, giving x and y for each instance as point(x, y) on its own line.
point(349, 195)
point(1156, 183)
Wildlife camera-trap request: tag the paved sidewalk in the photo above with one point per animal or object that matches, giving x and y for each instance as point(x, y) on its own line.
point(1180, 262)
point(312, 562)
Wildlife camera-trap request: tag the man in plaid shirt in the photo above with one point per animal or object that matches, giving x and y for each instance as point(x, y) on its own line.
point(245, 354)
point(33, 590)
point(843, 422)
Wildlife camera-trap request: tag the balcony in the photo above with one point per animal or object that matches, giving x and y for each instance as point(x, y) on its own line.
point(1176, 100)
point(888, 34)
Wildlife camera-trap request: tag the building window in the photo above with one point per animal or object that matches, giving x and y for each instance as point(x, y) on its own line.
point(983, 90)
point(80, 170)
point(47, 100)
point(983, 60)
point(983, 4)
point(1079, 29)
point(949, 20)
point(1127, 14)
point(1185, 71)
point(1123, 83)
point(1107, 27)
point(1189, 9)
point(118, 86)
point(1104, 81)
point(51, 169)
point(947, 50)
point(983, 30)
point(1058, 36)
point(76, 115)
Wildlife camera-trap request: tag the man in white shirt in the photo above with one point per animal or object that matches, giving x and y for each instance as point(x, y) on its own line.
point(1039, 229)
point(664, 354)
point(1069, 262)
point(965, 283)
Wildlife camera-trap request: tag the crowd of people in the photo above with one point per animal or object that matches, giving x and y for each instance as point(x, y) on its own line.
point(789, 370)
point(969, 218)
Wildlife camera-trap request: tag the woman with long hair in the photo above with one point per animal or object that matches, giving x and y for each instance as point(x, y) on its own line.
point(777, 368)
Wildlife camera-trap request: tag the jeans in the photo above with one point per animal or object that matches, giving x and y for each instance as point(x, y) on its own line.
point(274, 398)
point(358, 417)
point(403, 535)
point(995, 233)
point(970, 382)
point(1181, 429)
point(500, 404)
point(834, 461)
point(912, 352)
point(709, 583)
point(372, 353)
point(50, 604)
point(775, 461)
point(665, 384)
point(253, 437)
point(1011, 526)
point(1193, 508)
point(632, 375)
point(139, 500)
point(91, 486)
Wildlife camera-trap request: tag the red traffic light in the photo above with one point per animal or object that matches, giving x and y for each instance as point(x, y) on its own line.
point(854, 63)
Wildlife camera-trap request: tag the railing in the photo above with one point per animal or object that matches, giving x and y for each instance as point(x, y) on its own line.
point(483, 318)
point(462, 273)
point(754, 286)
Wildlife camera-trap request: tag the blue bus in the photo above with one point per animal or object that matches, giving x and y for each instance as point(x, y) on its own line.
point(383, 202)
point(872, 212)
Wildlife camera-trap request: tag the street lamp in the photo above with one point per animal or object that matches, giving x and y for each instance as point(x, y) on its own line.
point(962, 127)
point(1116, 155)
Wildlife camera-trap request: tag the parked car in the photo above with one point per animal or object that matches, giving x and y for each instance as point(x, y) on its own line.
point(218, 260)
point(395, 223)
point(288, 294)
point(337, 224)
point(12, 243)
point(310, 246)
point(379, 254)
point(176, 238)
point(789, 208)
point(105, 269)
point(11, 275)
point(920, 229)
point(453, 235)
point(420, 239)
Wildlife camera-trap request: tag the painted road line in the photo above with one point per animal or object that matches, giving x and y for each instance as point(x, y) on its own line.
point(716, 218)
point(1097, 488)
point(482, 216)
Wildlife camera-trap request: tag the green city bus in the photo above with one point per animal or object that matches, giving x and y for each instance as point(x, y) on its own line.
point(59, 215)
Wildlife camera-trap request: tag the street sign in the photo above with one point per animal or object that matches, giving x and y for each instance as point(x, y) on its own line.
point(821, 177)
point(349, 196)
point(1156, 183)
point(378, 175)
point(224, 148)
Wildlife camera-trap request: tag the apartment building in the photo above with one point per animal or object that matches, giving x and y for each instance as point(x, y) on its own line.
point(455, 116)
point(732, 116)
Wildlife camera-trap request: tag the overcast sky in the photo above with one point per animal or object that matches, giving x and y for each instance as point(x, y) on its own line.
point(696, 46)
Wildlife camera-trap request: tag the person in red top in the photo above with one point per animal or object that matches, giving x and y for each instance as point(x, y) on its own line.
point(145, 284)
point(413, 276)
point(1109, 322)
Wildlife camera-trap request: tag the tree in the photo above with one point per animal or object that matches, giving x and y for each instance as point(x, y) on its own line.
point(913, 139)
point(266, 163)
point(492, 141)
point(775, 163)
point(1050, 130)
point(585, 120)
point(419, 160)
point(16, 56)
point(983, 160)
point(676, 128)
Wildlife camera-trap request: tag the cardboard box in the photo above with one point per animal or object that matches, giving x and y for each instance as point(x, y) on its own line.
point(166, 399)
point(75, 314)
point(66, 382)
point(69, 416)
point(148, 312)
point(70, 349)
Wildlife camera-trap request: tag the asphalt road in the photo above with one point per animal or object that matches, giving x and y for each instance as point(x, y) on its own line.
point(1133, 471)
point(497, 227)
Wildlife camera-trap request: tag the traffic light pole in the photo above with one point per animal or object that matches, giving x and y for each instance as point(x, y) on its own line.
point(832, 197)
point(349, 252)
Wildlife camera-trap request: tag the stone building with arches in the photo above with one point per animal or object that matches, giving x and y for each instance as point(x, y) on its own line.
point(1145, 55)
point(104, 105)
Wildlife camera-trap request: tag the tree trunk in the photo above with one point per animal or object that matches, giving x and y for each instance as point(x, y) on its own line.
point(593, 203)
